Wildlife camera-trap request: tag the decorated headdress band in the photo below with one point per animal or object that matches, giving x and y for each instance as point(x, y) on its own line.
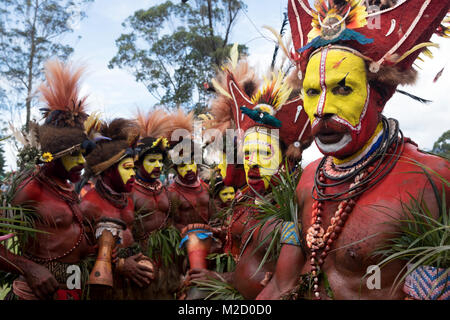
point(118, 141)
point(154, 128)
point(387, 38)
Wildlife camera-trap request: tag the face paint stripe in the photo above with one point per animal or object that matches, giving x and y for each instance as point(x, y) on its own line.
point(323, 86)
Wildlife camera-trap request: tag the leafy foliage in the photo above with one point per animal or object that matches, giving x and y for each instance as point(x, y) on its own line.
point(165, 243)
point(422, 238)
point(173, 48)
point(218, 289)
point(442, 145)
point(223, 262)
point(281, 205)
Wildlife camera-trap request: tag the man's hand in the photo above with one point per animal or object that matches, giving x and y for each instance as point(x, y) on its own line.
point(41, 281)
point(139, 269)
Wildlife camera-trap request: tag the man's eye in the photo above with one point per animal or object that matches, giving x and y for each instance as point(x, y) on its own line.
point(342, 90)
point(246, 153)
point(264, 153)
point(312, 92)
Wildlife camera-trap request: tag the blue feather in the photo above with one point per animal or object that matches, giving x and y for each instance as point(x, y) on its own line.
point(261, 117)
point(346, 35)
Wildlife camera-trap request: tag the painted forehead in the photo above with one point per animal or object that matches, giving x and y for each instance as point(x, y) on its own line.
point(260, 138)
point(336, 63)
point(186, 164)
point(126, 163)
point(154, 156)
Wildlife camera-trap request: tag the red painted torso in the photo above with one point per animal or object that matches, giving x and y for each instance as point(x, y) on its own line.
point(94, 206)
point(151, 210)
point(374, 213)
point(192, 204)
point(240, 227)
point(56, 218)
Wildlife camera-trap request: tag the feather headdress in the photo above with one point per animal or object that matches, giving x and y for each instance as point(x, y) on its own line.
point(181, 126)
point(61, 92)
point(263, 106)
point(393, 38)
point(154, 128)
point(63, 130)
point(222, 105)
point(118, 142)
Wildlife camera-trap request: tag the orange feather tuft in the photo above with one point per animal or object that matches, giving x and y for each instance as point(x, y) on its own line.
point(62, 86)
point(180, 120)
point(154, 124)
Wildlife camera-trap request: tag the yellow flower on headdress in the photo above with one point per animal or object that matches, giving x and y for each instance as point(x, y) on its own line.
point(47, 157)
point(165, 143)
point(161, 140)
point(328, 16)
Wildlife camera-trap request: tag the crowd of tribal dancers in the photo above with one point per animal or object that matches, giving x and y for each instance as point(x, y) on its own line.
point(101, 203)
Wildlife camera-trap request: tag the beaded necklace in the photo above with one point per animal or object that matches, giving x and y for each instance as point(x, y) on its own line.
point(153, 187)
point(72, 199)
point(118, 200)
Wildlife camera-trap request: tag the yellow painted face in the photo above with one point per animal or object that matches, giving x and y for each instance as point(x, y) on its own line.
point(126, 169)
point(263, 151)
point(73, 160)
point(152, 161)
point(336, 83)
point(184, 168)
point(227, 194)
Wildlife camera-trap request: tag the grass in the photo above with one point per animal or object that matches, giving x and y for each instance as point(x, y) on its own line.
point(422, 239)
point(218, 289)
point(3, 291)
point(279, 206)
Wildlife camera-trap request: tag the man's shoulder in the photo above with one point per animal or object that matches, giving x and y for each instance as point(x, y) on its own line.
point(418, 160)
point(308, 173)
point(92, 200)
point(30, 189)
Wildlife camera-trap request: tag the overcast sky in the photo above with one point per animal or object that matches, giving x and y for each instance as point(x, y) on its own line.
point(117, 94)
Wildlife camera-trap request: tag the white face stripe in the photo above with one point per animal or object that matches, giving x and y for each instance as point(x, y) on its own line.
point(246, 143)
point(322, 71)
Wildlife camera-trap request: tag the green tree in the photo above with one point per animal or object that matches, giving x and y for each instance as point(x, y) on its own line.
point(30, 33)
point(442, 145)
point(174, 48)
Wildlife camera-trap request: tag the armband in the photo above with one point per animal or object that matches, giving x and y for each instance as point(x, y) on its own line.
point(290, 234)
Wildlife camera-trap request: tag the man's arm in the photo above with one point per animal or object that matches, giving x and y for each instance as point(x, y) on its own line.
point(39, 278)
point(288, 271)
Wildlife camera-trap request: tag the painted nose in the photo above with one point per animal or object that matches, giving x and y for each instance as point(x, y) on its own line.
point(324, 116)
point(253, 159)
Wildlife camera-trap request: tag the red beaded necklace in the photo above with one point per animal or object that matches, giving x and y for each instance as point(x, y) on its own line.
point(317, 239)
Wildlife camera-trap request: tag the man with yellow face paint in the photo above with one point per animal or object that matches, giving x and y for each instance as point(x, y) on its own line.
point(262, 158)
point(190, 196)
point(227, 195)
point(151, 206)
point(348, 76)
point(47, 187)
point(110, 207)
